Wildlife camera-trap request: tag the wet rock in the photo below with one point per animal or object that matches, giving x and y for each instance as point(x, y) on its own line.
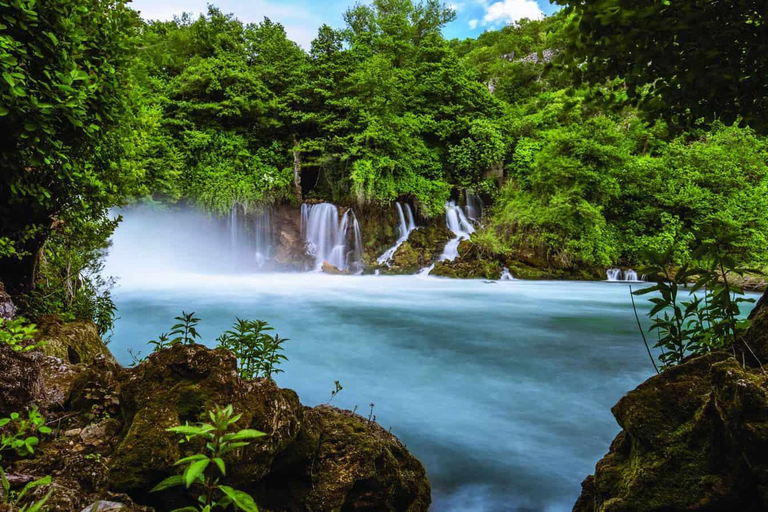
point(7, 308)
point(333, 270)
point(693, 438)
point(423, 247)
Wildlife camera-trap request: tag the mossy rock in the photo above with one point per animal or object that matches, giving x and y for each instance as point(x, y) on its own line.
point(694, 438)
point(423, 247)
point(75, 342)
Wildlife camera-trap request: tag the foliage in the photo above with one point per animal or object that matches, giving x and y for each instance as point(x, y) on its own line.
point(680, 60)
point(19, 433)
point(19, 335)
point(258, 353)
point(70, 278)
point(701, 324)
point(337, 387)
point(205, 470)
point(184, 331)
point(64, 67)
point(15, 498)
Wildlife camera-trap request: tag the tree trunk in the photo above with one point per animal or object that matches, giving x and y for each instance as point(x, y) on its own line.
point(297, 169)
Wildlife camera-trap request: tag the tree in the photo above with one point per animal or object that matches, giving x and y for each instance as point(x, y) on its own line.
point(681, 60)
point(63, 81)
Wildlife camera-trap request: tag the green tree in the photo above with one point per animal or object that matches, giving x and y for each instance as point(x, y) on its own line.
point(64, 68)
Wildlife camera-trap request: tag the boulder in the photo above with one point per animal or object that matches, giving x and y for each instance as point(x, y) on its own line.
point(328, 268)
point(112, 444)
point(694, 438)
point(75, 342)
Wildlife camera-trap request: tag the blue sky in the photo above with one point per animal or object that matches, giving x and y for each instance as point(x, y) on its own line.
point(301, 18)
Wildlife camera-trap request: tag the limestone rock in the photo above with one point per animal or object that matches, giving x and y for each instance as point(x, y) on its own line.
point(694, 438)
point(75, 342)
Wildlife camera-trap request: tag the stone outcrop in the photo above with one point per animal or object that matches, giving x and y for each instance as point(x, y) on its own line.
point(423, 247)
point(74, 342)
point(111, 442)
point(694, 438)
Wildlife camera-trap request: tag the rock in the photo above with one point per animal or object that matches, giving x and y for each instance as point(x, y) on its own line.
point(114, 446)
point(7, 308)
point(75, 342)
point(105, 506)
point(21, 383)
point(333, 270)
point(693, 438)
point(423, 247)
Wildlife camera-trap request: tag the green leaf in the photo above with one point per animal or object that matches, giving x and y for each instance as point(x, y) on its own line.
point(241, 500)
point(46, 480)
point(244, 434)
point(220, 463)
point(171, 481)
point(195, 471)
point(191, 458)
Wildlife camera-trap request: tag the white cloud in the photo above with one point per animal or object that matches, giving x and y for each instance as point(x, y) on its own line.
point(456, 6)
point(300, 25)
point(511, 11)
point(473, 24)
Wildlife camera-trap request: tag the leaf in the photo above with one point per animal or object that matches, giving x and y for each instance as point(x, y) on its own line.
point(220, 463)
point(31, 485)
point(185, 509)
point(195, 471)
point(240, 499)
point(171, 481)
point(38, 506)
point(191, 430)
point(244, 434)
point(191, 458)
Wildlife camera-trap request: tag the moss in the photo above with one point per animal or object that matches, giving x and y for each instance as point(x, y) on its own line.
point(75, 342)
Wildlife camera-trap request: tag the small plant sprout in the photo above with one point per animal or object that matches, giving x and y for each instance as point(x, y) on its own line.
point(258, 353)
point(337, 389)
point(185, 329)
point(20, 436)
point(205, 470)
point(19, 335)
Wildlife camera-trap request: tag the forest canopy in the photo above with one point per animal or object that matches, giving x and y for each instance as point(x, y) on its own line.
point(588, 157)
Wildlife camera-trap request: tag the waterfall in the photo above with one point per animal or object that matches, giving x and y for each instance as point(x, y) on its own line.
point(332, 237)
point(475, 206)
point(458, 223)
point(407, 225)
point(615, 274)
point(630, 275)
point(250, 236)
point(507, 275)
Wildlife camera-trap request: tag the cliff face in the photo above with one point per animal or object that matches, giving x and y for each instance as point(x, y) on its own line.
point(694, 438)
point(111, 442)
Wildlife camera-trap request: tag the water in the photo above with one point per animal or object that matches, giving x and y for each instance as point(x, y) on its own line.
point(458, 223)
point(502, 389)
point(406, 226)
point(331, 236)
point(474, 205)
point(629, 276)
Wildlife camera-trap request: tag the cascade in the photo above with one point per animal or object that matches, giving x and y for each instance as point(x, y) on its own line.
point(474, 206)
point(615, 274)
point(630, 275)
point(332, 237)
point(507, 275)
point(407, 225)
point(458, 223)
point(250, 236)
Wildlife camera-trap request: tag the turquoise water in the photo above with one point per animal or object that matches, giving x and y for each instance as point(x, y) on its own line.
point(502, 389)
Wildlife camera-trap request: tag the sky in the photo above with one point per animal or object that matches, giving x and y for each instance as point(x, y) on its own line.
point(302, 18)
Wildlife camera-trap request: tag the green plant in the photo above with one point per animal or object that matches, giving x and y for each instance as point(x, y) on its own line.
point(700, 324)
point(337, 389)
point(185, 330)
point(204, 470)
point(19, 335)
point(14, 498)
point(160, 343)
point(19, 432)
point(258, 353)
